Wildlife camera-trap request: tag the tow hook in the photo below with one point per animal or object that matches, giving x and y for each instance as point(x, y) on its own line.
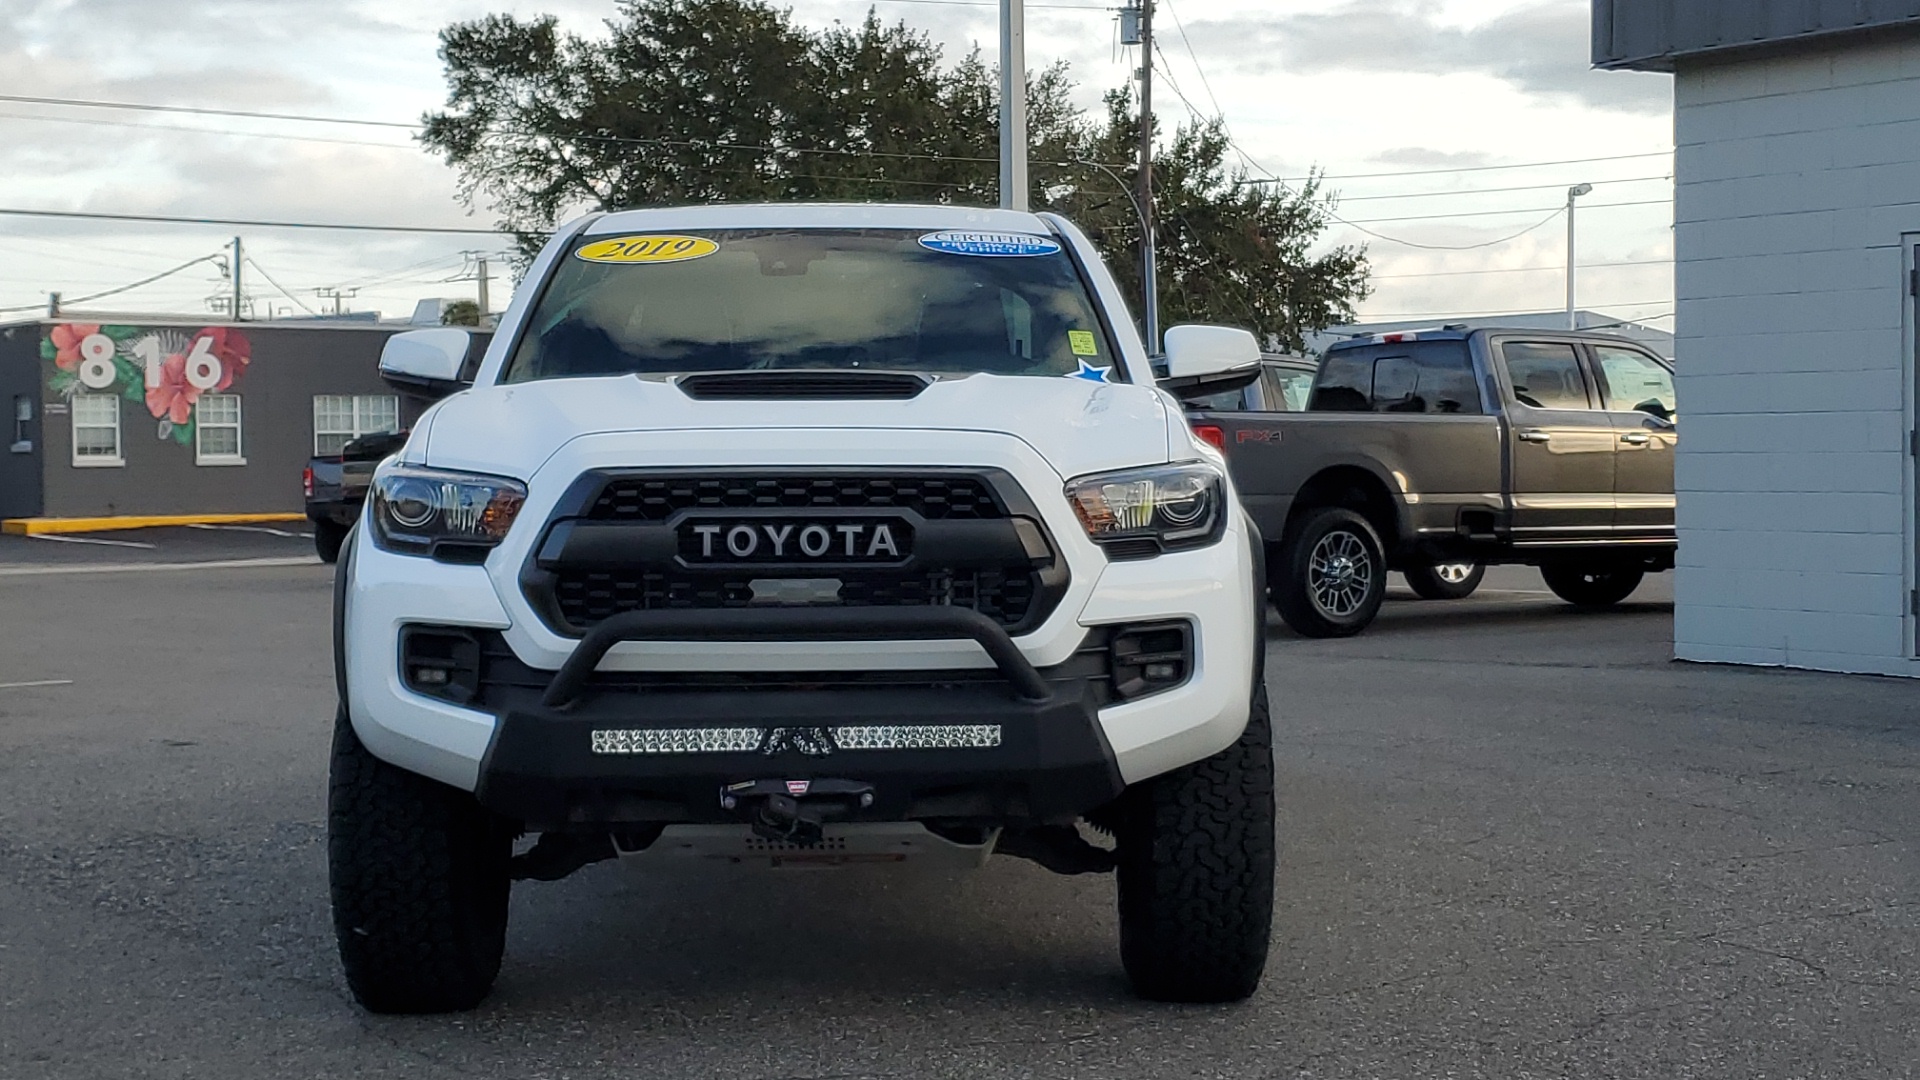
point(795, 811)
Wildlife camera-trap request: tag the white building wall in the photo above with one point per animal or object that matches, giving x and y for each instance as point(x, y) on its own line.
point(1797, 177)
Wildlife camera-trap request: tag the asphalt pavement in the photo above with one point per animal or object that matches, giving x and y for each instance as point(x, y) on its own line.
point(1517, 842)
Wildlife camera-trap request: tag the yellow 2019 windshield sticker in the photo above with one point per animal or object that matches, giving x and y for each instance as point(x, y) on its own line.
point(1083, 342)
point(648, 249)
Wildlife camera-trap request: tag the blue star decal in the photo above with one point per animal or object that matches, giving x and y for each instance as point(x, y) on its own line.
point(1093, 374)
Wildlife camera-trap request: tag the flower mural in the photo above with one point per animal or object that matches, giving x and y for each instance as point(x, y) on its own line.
point(165, 369)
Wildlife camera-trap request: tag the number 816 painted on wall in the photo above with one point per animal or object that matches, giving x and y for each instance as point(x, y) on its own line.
point(97, 372)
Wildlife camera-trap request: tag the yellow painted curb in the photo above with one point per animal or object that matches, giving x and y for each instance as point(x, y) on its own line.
point(43, 526)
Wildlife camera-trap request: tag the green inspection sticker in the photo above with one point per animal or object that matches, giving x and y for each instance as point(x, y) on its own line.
point(1083, 342)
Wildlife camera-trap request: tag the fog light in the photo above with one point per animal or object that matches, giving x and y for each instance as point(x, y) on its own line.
point(1149, 659)
point(441, 662)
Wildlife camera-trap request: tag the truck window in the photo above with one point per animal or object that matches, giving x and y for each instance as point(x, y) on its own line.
point(1545, 375)
point(1633, 382)
point(659, 305)
point(1287, 388)
point(1403, 377)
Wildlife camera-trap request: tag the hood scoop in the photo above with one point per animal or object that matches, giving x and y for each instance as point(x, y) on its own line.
point(804, 386)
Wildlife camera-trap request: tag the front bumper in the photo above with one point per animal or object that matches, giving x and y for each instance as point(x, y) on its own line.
point(1065, 753)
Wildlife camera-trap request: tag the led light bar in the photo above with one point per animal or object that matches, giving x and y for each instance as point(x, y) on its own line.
point(918, 737)
point(678, 740)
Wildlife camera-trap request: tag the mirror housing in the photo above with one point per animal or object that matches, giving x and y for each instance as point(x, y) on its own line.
point(426, 363)
point(1203, 360)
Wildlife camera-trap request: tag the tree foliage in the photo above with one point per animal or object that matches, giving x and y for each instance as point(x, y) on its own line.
point(695, 101)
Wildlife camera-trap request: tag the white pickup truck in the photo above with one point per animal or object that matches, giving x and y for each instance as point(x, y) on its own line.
point(803, 535)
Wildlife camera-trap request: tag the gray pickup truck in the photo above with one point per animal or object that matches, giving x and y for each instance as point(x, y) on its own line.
point(1453, 446)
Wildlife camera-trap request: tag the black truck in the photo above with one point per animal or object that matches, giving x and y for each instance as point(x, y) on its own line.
point(336, 488)
point(1439, 448)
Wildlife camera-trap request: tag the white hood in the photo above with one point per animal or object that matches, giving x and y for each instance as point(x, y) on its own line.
point(1078, 426)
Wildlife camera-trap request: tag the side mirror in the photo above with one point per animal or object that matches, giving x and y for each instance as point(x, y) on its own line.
point(1203, 360)
point(426, 362)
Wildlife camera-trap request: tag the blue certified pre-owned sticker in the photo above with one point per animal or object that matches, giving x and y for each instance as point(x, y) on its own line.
point(990, 244)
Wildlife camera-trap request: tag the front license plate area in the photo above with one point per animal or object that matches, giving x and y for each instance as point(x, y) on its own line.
point(784, 541)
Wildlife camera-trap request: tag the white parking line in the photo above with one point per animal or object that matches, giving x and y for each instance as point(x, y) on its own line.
point(136, 568)
point(254, 529)
point(35, 682)
point(91, 540)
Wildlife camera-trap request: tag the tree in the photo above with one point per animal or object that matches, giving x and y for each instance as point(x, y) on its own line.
point(693, 101)
point(460, 313)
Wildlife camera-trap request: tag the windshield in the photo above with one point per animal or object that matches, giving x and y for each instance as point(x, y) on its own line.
point(958, 303)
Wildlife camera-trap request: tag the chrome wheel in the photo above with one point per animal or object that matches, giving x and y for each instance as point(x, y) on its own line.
point(1454, 573)
point(1340, 574)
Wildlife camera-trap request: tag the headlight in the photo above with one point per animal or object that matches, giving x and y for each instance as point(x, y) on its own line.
point(1140, 513)
point(453, 516)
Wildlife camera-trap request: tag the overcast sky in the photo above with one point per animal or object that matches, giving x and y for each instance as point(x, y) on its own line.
point(1355, 87)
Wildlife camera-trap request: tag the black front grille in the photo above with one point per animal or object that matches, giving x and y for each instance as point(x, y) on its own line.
point(619, 542)
point(585, 597)
point(659, 498)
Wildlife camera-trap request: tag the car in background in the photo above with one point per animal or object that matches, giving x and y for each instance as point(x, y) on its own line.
point(1285, 385)
point(336, 488)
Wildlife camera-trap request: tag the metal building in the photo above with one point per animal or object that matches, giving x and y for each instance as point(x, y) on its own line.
point(1797, 226)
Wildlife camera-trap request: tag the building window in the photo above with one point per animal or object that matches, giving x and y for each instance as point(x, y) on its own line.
point(96, 430)
point(216, 430)
point(341, 418)
point(22, 424)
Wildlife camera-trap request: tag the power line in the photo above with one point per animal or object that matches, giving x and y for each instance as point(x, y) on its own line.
point(163, 219)
point(1495, 191)
point(93, 122)
point(139, 106)
point(1502, 213)
point(1559, 269)
point(1385, 316)
point(277, 285)
point(1451, 247)
point(1466, 169)
point(1204, 81)
point(125, 288)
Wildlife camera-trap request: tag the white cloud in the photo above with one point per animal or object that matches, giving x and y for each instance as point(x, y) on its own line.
point(1357, 87)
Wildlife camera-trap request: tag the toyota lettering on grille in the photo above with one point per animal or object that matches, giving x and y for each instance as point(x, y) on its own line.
point(865, 540)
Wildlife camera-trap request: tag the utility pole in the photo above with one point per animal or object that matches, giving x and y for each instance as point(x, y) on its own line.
point(1013, 105)
point(53, 305)
point(480, 269)
point(337, 296)
point(1149, 278)
point(1573, 313)
point(236, 279)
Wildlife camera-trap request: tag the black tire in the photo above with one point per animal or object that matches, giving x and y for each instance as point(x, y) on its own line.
point(1331, 574)
point(419, 875)
point(1445, 581)
point(327, 538)
point(1593, 587)
point(1195, 876)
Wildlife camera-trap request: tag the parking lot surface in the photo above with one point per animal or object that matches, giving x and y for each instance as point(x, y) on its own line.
point(1517, 841)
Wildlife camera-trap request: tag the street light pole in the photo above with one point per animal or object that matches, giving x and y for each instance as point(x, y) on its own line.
point(1013, 105)
point(1149, 274)
point(1573, 314)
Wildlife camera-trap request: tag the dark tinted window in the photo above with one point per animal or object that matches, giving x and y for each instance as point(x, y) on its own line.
point(1545, 376)
point(660, 305)
point(1224, 401)
point(1634, 382)
point(1411, 376)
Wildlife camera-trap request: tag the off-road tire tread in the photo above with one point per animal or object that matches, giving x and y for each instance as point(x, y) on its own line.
point(1196, 873)
point(1287, 570)
point(419, 877)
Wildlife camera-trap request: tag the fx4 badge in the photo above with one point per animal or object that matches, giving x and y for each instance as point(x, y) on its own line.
point(1257, 435)
point(809, 741)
